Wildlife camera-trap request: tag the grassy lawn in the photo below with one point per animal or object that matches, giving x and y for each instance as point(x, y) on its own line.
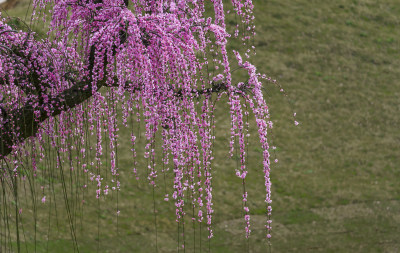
point(336, 187)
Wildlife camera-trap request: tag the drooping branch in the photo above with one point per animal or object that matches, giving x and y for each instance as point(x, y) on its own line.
point(24, 122)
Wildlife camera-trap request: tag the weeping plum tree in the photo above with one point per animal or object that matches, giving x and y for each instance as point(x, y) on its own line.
point(163, 63)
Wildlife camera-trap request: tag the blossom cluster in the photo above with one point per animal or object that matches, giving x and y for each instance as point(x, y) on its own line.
point(164, 62)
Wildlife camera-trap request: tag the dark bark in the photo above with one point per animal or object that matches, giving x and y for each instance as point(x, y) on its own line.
point(21, 124)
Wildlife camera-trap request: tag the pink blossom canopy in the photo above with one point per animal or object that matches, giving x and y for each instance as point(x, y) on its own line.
point(164, 62)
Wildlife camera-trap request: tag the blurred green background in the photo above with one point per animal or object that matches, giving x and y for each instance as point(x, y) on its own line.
point(336, 187)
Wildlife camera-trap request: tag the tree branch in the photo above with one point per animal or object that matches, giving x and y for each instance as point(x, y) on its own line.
point(24, 122)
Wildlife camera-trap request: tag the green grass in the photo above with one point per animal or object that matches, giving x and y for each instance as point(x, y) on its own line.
point(336, 186)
